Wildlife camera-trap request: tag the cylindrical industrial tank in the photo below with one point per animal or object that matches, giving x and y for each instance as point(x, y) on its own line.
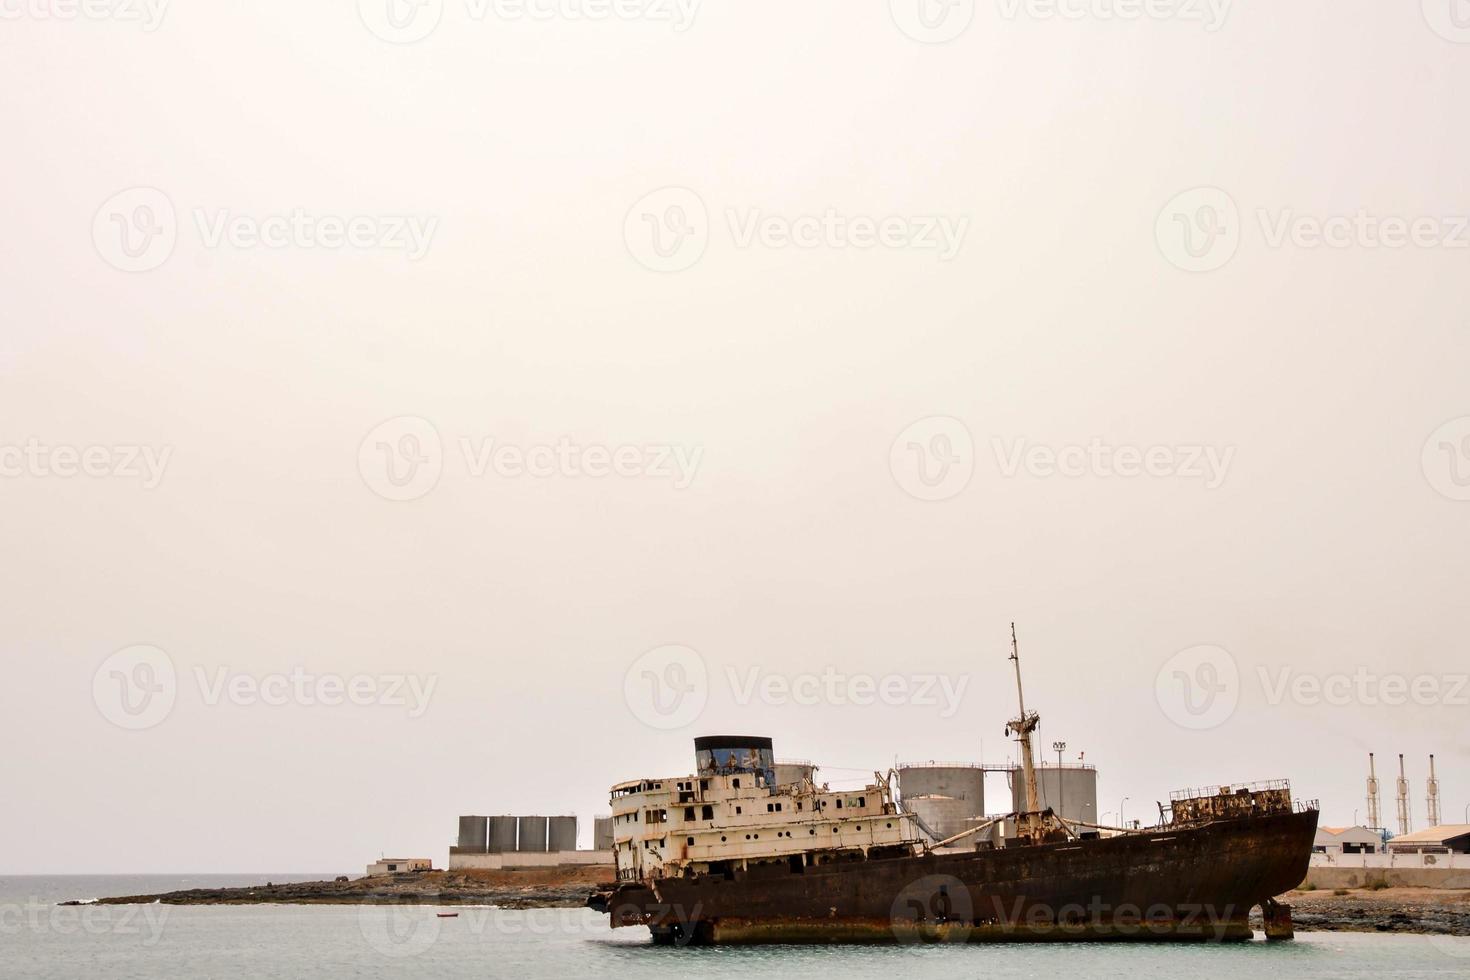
point(602, 833)
point(792, 771)
point(473, 834)
point(958, 781)
point(531, 834)
point(561, 834)
point(943, 815)
point(1071, 791)
point(502, 835)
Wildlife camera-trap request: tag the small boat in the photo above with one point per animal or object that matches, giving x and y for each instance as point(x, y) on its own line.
point(448, 915)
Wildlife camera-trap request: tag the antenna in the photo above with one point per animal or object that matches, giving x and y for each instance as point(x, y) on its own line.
point(1433, 798)
point(1373, 822)
point(1403, 799)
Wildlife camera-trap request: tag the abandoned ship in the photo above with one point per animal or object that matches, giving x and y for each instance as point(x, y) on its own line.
point(725, 855)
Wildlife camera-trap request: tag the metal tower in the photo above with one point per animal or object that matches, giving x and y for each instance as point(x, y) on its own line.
point(1432, 799)
point(1403, 800)
point(1373, 821)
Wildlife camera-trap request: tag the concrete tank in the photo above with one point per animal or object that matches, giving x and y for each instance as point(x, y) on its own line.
point(793, 771)
point(502, 835)
point(473, 834)
point(956, 780)
point(531, 834)
point(561, 834)
point(1070, 790)
point(602, 833)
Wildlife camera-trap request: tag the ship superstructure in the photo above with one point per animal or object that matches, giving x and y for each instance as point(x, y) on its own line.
point(731, 815)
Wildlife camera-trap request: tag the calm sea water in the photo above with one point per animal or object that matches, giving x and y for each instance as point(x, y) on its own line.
point(40, 940)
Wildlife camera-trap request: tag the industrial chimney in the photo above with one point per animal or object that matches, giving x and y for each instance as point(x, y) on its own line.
point(1432, 799)
point(1373, 821)
point(1403, 787)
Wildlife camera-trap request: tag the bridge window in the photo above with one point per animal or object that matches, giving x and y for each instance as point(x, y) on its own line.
point(707, 812)
point(689, 813)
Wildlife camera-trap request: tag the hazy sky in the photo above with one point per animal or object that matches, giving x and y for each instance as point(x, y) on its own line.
point(385, 390)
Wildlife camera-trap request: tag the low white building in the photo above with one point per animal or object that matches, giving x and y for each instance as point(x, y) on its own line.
point(1450, 838)
point(388, 866)
point(1347, 840)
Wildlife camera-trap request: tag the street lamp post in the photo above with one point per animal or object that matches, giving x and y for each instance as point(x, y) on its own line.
point(1121, 822)
point(1061, 800)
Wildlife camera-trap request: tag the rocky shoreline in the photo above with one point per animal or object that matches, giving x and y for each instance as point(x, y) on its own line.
point(527, 889)
point(1424, 911)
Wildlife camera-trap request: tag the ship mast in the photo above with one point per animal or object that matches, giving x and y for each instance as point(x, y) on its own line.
point(1023, 727)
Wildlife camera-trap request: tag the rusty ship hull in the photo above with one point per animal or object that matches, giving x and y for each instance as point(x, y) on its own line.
point(1181, 883)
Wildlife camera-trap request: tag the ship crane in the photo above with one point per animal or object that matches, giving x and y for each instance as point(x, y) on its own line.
point(1022, 727)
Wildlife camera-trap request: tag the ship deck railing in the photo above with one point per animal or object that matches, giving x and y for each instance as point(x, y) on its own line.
point(1229, 789)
